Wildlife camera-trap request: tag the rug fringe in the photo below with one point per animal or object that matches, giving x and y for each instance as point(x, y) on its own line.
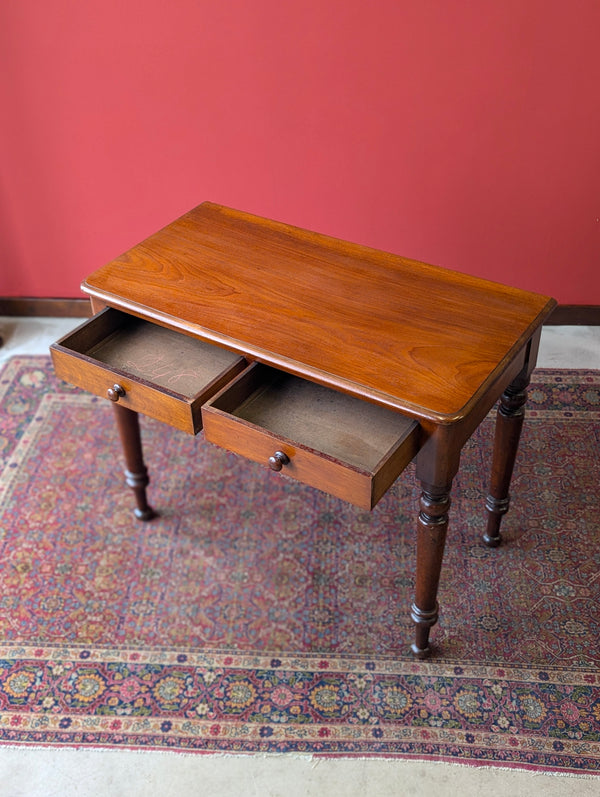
point(315, 759)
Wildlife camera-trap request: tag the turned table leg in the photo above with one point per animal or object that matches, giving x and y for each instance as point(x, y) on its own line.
point(136, 474)
point(431, 538)
point(509, 421)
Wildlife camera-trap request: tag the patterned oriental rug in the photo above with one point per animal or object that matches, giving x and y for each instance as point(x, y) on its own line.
point(258, 615)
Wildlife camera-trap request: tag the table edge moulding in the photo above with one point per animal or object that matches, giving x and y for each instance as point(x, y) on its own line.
point(405, 360)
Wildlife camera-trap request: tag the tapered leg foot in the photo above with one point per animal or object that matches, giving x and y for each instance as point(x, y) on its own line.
point(432, 526)
point(136, 474)
point(138, 483)
point(424, 622)
point(509, 422)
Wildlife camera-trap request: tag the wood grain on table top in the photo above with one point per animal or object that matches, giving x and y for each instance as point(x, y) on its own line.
point(399, 332)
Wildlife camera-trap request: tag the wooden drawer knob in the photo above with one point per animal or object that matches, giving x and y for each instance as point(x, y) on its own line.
point(115, 392)
point(278, 460)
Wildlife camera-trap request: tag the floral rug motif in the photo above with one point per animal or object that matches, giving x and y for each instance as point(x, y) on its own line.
point(256, 614)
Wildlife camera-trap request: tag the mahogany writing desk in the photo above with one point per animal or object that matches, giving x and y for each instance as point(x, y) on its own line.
point(331, 362)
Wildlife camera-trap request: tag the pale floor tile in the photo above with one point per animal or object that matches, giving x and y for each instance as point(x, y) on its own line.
point(32, 335)
point(28, 772)
point(569, 347)
point(86, 773)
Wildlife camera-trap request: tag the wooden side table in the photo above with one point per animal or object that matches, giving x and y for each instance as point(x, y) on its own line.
point(331, 362)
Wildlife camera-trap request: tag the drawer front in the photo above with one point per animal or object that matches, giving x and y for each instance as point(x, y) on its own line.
point(244, 418)
point(135, 362)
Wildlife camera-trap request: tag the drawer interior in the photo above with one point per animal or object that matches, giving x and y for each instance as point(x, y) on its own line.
point(168, 359)
point(342, 427)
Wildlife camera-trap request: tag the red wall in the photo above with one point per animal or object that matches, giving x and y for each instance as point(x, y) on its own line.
point(458, 132)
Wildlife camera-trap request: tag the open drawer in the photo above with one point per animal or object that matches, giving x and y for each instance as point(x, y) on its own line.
point(319, 436)
point(145, 367)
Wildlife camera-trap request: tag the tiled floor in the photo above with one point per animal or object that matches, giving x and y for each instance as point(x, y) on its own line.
point(49, 772)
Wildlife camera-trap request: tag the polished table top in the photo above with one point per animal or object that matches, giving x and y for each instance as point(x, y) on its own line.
point(419, 338)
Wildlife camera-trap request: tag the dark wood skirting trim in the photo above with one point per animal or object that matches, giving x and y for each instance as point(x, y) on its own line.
point(56, 308)
point(575, 315)
point(564, 314)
